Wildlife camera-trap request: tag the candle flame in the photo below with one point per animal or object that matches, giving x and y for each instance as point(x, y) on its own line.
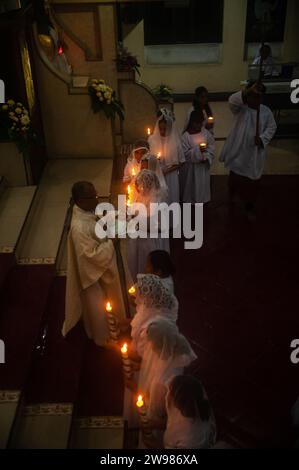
point(108, 307)
point(140, 402)
point(210, 119)
point(132, 290)
point(124, 348)
point(133, 172)
point(149, 131)
point(203, 145)
point(159, 155)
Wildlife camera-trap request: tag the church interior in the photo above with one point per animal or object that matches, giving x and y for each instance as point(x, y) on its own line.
point(237, 294)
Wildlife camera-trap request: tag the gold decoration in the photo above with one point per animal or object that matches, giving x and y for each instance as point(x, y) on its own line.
point(47, 44)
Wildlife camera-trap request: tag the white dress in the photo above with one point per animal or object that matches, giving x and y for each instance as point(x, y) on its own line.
point(139, 248)
point(154, 298)
point(240, 154)
point(188, 433)
point(170, 149)
point(195, 173)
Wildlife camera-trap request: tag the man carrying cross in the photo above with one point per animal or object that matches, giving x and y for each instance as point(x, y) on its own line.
point(244, 151)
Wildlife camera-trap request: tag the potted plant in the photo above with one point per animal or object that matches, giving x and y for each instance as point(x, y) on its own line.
point(125, 61)
point(163, 92)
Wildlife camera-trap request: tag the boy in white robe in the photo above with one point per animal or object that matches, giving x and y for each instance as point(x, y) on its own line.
point(199, 149)
point(91, 268)
point(244, 151)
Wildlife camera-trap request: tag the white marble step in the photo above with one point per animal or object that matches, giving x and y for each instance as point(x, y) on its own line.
point(41, 239)
point(15, 203)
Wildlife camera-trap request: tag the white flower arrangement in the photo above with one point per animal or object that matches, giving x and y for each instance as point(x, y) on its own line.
point(103, 98)
point(15, 123)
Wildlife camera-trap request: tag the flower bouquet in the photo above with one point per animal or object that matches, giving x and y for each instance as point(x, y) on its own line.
point(125, 61)
point(103, 98)
point(163, 92)
point(16, 125)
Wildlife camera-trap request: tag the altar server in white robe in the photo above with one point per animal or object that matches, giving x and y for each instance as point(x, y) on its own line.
point(148, 190)
point(165, 142)
point(133, 166)
point(91, 268)
point(244, 152)
point(166, 354)
point(199, 149)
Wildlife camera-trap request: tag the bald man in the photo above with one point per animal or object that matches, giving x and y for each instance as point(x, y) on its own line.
point(91, 269)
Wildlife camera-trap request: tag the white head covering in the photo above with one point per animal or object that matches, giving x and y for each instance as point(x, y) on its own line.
point(141, 144)
point(169, 146)
point(154, 165)
point(166, 354)
point(148, 188)
point(153, 298)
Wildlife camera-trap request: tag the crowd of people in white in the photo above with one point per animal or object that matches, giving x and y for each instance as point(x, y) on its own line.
point(169, 167)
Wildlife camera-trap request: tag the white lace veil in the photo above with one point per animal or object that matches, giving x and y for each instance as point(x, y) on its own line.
point(148, 188)
point(152, 299)
point(166, 354)
point(138, 145)
point(170, 147)
point(154, 165)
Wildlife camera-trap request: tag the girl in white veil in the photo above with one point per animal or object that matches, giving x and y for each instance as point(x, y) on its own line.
point(153, 299)
point(152, 163)
point(133, 166)
point(165, 143)
point(190, 419)
point(148, 190)
point(166, 354)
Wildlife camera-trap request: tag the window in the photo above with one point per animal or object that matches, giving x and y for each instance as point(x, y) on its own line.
point(176, 21)
point(265, 20)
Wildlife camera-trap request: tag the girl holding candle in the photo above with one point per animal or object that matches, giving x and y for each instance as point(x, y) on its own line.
point(133, 165)
point(199, 149)
point(190, 422)
point(148, 190)
point(165, 142)
point(201, 103)
point(152, 163)
point(166, 353)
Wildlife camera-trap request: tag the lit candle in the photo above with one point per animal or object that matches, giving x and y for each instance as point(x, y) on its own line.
point(112, 323)
point(159, 155)
point(132, 290)
point(203, 146)
point(126, 361)
point(133, 172)
point(143, 416)
point(149, 131)
point(210, 120)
